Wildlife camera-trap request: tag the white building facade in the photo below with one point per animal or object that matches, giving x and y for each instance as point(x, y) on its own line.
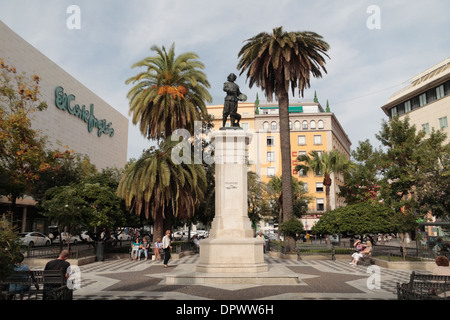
point(76, 118)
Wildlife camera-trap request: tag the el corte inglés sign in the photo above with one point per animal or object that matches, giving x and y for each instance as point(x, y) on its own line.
point(62, 101)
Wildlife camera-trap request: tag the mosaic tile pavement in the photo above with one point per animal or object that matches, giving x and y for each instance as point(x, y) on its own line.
point(319, 280)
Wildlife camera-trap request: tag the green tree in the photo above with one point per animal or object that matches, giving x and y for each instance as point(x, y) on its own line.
point(325, 163)
point(358, 219)
point(90, 204)
point(408, 161)
point(433, 182)
point(61, 169)
point(155, 184)
point(361, 182)
point(257, 202)
point(9, 242)
point(65, 207)
point(170, 94)
point(279, 62)
point(275, 199)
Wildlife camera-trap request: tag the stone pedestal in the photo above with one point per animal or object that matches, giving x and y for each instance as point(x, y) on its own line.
point(231, 247)
point(231, 255)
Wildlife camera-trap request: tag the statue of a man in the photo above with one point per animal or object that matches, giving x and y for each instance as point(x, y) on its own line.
point(231, 101)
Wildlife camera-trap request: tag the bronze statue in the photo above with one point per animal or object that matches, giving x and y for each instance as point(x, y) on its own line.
point(231, 101)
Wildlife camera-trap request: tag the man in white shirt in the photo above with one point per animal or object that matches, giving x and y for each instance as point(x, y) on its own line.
point(166, 247)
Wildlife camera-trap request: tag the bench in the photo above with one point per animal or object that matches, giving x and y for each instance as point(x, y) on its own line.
point(42, 284)
point(366, 259)
point(311, 249)
point(424, 287)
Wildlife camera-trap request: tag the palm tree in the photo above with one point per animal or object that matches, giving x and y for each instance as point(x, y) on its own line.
point(324, 163)
point(300, 198)
point(170, 94)
point(155, 184)
point(278, 62)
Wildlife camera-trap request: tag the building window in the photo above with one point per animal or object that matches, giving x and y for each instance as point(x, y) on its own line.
point(301, 140)
point(305, 125)
point(414, 103)
point(245, 126)
point(297, 125)
point(422, 99)
point(317, 139)
point(265, 126)
point(270, 171)
point(312, 124)
point(320, 204)
point(443, 123)
point(305, 186)
point(407, 106)
point(320, 124)
point(426, 127)
point(319, 186)
point(290, 125)
point(440, 92)
point(302, 173)
point(270, 141)
point(270, 156)
point(393, 112)
point(273, 126)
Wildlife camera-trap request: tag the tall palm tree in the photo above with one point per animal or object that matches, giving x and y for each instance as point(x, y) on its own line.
point(325, 164)
point(169, 94)
point(278, 62)
point(155, 184)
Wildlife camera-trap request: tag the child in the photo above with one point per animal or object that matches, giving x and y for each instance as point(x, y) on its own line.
point(158, 246)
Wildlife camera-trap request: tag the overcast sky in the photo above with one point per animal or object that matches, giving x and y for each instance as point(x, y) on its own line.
point(366, 65)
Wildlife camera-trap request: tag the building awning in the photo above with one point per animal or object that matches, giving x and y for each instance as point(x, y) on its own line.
point(291, 108)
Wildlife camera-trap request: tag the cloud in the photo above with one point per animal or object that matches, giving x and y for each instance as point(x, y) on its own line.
point(364, 69)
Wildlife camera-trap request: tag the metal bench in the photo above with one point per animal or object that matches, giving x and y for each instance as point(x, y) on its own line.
point(40, 284)
point(424, 287)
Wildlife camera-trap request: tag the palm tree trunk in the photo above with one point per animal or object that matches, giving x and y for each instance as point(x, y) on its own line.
point(158, 226)
point(327, 184)
point(327, 198)
point(286, 173)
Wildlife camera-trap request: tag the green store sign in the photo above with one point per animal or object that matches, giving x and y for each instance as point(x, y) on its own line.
point(63, 100)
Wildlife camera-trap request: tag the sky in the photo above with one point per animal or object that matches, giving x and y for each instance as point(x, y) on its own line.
point(376, 46)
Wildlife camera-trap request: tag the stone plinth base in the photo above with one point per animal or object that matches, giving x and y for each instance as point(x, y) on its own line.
point(275, 275)
point(243, 255)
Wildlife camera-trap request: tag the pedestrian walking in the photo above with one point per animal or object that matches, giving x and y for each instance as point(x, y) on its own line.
point(166, 244)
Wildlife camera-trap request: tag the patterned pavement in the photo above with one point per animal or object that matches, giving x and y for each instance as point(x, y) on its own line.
point(319, 280)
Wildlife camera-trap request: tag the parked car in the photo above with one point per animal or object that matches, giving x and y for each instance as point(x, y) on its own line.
point(32, 239)
point(202, 234)
point(178, 235)
point(272, 236)
point(86, 237)
point(122, 236)
point(67, 238)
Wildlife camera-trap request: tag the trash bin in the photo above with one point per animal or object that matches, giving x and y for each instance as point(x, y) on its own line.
point(100, 251)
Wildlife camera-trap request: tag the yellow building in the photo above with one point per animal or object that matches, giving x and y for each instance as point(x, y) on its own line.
point(312, 128)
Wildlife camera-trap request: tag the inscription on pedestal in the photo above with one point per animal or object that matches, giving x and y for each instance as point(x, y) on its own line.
point(231, 185)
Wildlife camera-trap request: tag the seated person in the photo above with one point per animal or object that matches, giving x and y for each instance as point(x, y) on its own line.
point(144, 248)
point(158, 247)
point(196, 242)
point(19, 288)
point(135, 248)
point(358, 255)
